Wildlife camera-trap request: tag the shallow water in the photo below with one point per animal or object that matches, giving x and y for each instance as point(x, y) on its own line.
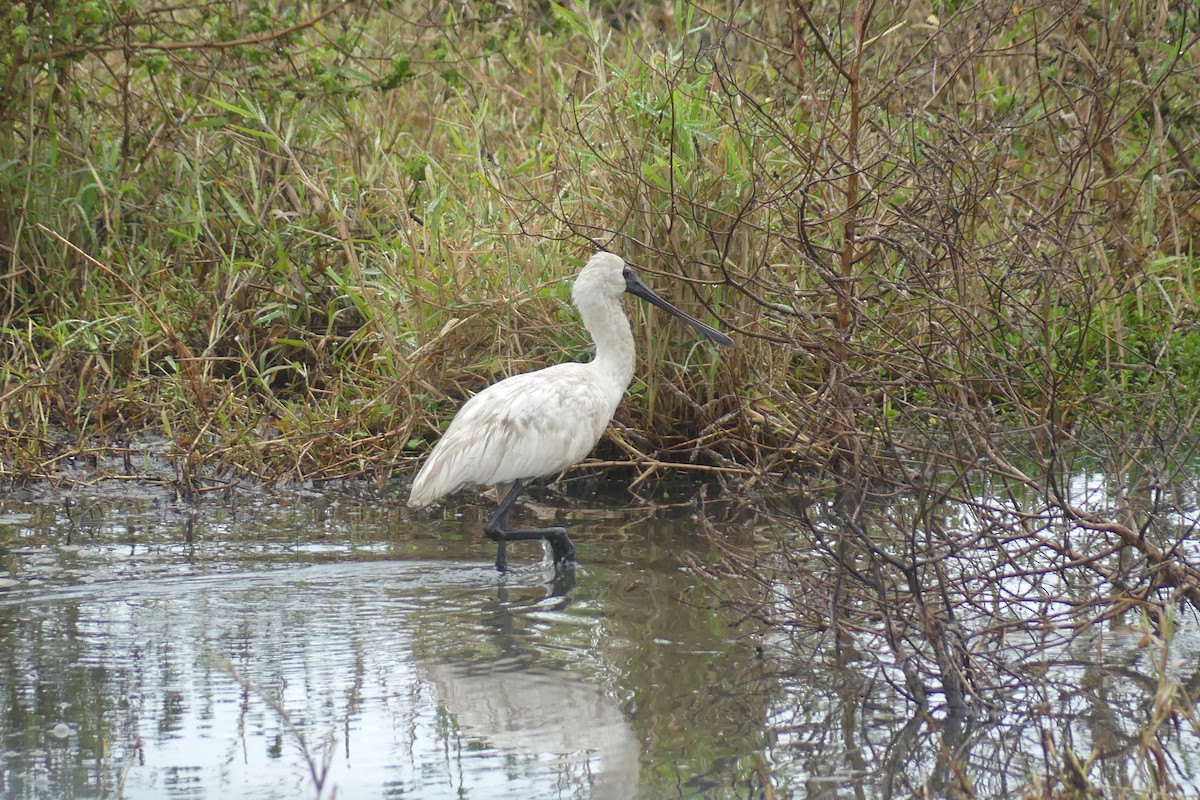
point(303, 645)
point(311, 645)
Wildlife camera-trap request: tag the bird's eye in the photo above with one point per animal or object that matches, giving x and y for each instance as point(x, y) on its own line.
point(626, 272)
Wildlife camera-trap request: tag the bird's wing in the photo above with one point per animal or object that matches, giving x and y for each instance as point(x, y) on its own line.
point(523, 427)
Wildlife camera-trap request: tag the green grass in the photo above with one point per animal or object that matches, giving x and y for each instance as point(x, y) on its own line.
point(294, 253)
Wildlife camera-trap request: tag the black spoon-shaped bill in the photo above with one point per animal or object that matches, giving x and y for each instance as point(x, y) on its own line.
point(634, 285)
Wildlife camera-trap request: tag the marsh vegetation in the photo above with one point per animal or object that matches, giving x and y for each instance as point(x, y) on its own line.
point(956, 243)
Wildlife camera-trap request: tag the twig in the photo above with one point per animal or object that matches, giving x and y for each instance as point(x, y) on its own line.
point(262, 38)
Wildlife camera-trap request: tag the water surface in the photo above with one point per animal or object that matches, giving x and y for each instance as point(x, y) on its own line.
point(291, 644)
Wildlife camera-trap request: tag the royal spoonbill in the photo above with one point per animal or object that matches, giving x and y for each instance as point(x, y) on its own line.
point(539, 423)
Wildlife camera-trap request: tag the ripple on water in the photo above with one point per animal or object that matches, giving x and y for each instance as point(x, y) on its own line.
point(250, 679)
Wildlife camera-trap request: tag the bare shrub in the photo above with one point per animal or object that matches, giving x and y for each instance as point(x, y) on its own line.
point(957, 248)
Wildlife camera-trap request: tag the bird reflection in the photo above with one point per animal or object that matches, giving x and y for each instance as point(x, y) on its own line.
point(507, 693)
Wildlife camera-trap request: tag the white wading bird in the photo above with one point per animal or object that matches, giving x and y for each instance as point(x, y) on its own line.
point(539, 423)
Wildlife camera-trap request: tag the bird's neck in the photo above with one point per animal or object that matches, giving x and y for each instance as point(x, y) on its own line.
point(605, 319)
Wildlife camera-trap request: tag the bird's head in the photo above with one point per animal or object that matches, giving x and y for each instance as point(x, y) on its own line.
point(602, 276)
point(607, 275)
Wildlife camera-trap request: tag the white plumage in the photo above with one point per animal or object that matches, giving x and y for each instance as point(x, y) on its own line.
point(539, 423)
point(524, 427)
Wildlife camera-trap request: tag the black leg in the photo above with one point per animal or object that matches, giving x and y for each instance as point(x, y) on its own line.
point(498, 531)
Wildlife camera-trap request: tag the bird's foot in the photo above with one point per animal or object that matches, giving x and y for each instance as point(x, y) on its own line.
point(560, 544)
point(561, 547)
